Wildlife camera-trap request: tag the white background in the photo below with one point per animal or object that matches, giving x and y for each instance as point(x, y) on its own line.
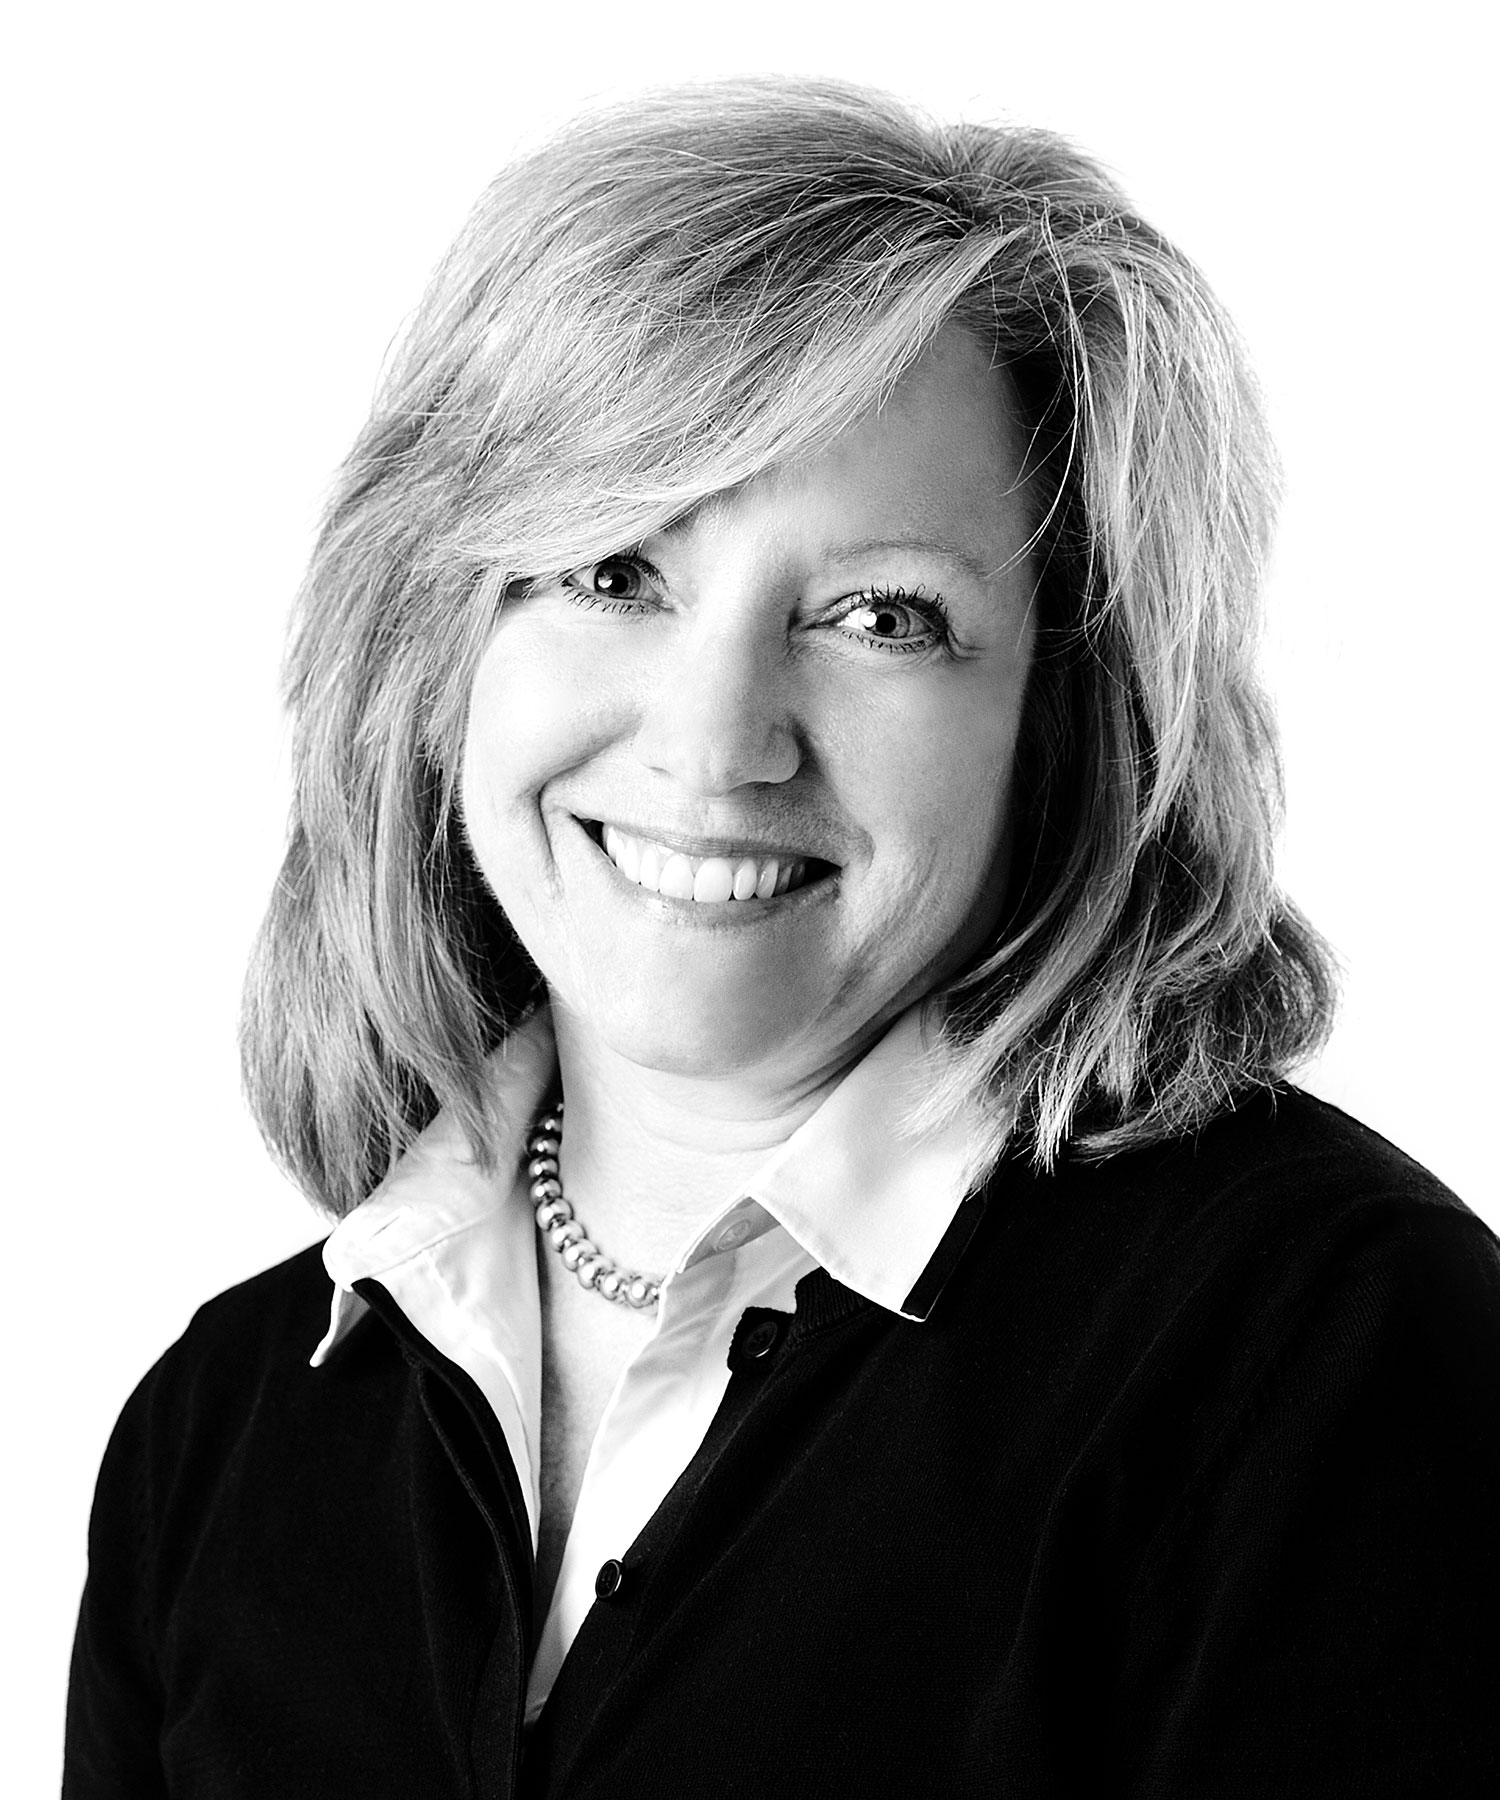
point(222, 215)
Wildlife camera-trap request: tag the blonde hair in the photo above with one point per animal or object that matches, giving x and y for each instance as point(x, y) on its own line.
point(660, 304)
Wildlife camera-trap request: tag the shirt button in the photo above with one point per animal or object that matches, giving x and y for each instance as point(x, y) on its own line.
point(761, 1339)
point(735, 1232)
point(608, 1581)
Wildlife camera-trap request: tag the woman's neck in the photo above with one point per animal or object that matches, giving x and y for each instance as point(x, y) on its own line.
point(649, 1156)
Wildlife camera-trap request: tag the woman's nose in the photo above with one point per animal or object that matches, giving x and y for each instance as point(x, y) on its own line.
point(718, 716)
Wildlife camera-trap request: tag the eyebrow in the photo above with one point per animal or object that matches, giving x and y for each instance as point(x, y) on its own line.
point(852, 551)
point(913, 541)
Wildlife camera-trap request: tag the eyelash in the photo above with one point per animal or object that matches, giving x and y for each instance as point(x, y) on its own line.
point(929, 607)
point(582, 596)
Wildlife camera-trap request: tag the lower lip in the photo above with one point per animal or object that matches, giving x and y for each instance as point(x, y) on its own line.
point(721, 912)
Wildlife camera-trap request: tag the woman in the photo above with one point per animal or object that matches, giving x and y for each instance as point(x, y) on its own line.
point(778, 973)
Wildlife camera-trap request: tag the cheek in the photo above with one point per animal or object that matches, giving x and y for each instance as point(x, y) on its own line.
point(532, 715)
point(509, 746)
point(489, 750)
point(934, 786)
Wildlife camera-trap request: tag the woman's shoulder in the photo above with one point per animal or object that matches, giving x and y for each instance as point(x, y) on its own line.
point(275, 1316)
point(1280, 1216)
point(1281, 1163)
point(1291, 1175)
point(244, 1349)
point(235, 1405)
point(1295, 1140)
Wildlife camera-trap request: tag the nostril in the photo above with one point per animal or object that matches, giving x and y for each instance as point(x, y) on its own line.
point(713, 736)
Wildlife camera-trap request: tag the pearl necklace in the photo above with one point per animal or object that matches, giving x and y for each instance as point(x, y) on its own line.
point(554, 1217)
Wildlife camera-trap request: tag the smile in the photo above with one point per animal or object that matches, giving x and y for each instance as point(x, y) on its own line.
point(709, 880)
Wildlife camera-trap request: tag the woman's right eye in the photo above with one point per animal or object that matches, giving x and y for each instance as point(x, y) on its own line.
point(620, 581)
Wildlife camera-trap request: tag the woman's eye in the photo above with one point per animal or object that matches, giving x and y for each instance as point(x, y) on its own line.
point(617, 578)
point(622, 580)
point(896, 621)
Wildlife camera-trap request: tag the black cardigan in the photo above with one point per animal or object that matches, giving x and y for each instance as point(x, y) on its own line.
point(1189, 1486)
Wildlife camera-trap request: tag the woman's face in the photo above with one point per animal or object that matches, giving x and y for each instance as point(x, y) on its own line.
point(808, 689)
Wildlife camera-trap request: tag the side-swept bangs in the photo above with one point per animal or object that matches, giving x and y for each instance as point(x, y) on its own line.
point(659, 305)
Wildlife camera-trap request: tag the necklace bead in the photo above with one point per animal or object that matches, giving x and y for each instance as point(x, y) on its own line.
point(581, 1256)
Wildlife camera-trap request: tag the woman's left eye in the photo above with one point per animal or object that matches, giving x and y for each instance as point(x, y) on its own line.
point(895, 620)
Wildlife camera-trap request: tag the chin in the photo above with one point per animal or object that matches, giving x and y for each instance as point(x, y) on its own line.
point(710, 1029)
point(700, 1049)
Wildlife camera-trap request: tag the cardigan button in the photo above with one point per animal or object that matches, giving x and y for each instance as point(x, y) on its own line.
point(610, 1579)
point(761, 1339)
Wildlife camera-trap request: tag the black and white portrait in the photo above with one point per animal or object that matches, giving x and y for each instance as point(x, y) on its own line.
point(752, 1030)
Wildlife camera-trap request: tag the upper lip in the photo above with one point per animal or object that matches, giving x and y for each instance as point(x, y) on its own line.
point(697, 844)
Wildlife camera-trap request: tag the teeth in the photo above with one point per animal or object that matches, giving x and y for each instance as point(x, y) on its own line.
point(676, 878)
point(714, 882)
point(709, 880)
point(649, 873)
point(625, 852)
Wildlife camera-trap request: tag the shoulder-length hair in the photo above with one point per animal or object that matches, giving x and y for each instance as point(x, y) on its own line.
point(663, 302)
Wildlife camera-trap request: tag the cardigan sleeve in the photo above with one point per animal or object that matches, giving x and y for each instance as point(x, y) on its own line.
point(114, 1699)
point(1321, 1616)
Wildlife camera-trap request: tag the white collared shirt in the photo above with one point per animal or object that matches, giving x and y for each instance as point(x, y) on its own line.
point(849, 1191)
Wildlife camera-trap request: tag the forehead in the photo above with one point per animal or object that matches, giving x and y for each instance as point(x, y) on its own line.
point(938, 468)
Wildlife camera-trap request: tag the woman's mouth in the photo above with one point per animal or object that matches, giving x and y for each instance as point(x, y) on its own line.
point(743, 876)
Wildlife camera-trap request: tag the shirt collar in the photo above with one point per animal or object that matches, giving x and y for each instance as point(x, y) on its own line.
point(870, 1201)
point(439, 1195)
point(887, 1212)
